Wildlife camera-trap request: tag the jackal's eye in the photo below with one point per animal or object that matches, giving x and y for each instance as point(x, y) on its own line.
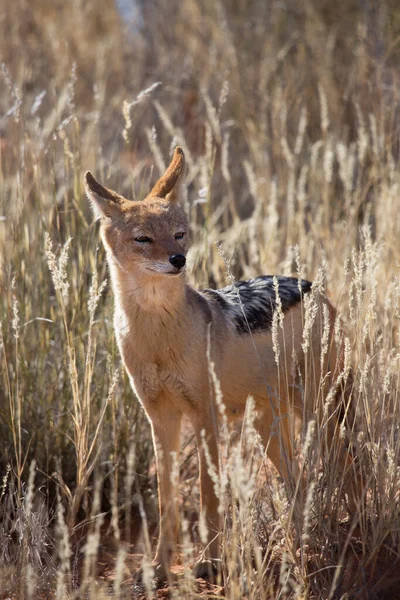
point(143, 239)
point(179, 235)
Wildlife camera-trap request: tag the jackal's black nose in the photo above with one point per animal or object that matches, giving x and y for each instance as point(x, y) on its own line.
point(178, 260)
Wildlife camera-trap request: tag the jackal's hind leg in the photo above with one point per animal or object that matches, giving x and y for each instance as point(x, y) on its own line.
point(276, 426)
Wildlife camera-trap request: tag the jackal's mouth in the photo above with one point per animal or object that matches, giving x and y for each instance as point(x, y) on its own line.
point(174, 273)
point(170, 273)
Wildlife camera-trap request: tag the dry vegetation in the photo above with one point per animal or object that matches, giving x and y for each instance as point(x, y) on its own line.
point(288, 113)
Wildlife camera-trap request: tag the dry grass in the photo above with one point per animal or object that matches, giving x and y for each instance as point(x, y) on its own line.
point(288, 114)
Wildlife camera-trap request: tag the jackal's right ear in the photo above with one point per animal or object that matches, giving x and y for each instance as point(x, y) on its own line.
point(104, 202)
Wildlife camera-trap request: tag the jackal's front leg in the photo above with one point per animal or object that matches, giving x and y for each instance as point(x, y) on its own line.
point(166, 426)
point(207, 445)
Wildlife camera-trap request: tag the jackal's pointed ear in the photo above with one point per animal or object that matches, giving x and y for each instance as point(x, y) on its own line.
point(104, 202)
point(168, 185)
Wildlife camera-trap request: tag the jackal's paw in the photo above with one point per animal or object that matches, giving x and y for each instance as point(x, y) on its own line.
point(158, 579)
point(207, 569)
point(161, 574)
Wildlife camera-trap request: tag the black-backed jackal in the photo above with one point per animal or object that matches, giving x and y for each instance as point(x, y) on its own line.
point(166, 330)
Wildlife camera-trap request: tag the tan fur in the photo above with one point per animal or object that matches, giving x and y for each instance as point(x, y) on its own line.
point(163, 335)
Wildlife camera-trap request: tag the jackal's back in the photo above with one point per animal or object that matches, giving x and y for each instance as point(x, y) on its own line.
point(251, 304)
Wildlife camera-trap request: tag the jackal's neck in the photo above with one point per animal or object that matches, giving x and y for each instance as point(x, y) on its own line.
point(138, 293)
point(152, 318)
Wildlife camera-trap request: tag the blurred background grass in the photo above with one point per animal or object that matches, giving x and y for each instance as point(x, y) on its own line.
point(289, 116)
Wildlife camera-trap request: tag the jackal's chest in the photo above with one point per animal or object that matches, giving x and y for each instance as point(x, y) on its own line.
point(152, 382)
point(164, 357)
point(147, 338)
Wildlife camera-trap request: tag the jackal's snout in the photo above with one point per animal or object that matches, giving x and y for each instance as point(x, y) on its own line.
point(177, 260)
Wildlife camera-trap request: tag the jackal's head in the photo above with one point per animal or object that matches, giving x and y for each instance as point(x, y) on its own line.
point(151, 236)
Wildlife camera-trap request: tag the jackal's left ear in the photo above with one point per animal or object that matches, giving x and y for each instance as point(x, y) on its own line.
point(168, 185)
point(104, 202)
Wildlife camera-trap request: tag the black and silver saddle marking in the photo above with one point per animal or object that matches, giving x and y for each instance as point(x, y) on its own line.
point(255, 308)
